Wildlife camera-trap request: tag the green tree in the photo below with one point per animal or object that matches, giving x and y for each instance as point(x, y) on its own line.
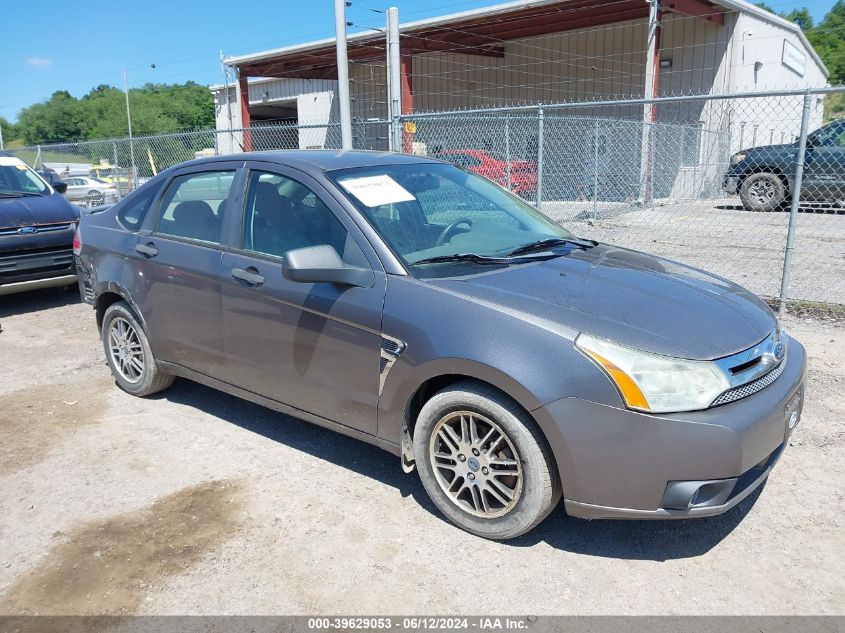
point(10, 131)
point(55, 120)
point(828, 38)
point(156, 109)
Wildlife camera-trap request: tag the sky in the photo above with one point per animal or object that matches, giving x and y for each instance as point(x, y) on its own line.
point(48, 46)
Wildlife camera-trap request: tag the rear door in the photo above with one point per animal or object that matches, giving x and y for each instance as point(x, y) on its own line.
point(313, 346)
point(179, 270)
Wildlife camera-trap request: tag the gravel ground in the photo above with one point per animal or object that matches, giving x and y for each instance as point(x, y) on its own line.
point(720, 236)
point(197, 502)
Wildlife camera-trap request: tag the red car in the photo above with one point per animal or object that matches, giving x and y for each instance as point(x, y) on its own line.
point(523, 173)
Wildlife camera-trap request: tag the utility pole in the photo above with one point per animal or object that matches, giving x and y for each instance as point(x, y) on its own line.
point(129, 125)
point(395, 87)
point(342, 74)
point(225, 69)
point(1, 137)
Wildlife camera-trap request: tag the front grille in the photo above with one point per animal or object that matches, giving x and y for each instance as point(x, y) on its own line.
point(42, 228)
point(743, 391)
point(35, 261)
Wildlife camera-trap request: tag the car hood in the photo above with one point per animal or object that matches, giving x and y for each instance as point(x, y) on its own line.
point(639, 300)
point(35, 211)
point(771, 149)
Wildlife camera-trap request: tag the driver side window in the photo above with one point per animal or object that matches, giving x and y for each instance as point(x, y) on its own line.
point(282, 214)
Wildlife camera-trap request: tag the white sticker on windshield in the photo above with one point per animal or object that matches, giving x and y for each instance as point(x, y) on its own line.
point(375, 191)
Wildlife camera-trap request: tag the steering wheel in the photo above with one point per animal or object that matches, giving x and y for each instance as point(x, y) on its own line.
point(447, 232)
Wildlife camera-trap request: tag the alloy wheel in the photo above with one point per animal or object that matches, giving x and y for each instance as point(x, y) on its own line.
point(762, 191)
point(127, 353)
point(476, 464)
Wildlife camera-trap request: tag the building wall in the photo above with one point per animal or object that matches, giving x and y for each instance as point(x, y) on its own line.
point(772, 119)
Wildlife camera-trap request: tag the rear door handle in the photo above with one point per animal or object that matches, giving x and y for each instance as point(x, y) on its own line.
point(147, 249)
point(250, 276)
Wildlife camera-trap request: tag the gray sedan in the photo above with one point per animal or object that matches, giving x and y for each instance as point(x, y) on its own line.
point(90, 192)
point(421, 308)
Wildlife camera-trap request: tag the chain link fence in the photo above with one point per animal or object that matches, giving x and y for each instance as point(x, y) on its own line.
point(721, 183)
point(714, 182)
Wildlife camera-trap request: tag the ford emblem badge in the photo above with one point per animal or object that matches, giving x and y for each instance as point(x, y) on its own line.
point(27, 230)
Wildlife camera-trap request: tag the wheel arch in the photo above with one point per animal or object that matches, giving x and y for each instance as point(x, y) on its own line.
point(765, 168)
point(111, 294)
point(435, 381)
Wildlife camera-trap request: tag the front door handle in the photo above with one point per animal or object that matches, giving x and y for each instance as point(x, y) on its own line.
point(250, 276)
point(147, 249)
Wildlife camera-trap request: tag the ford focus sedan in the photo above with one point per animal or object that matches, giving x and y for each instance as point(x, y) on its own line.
point(421, 308)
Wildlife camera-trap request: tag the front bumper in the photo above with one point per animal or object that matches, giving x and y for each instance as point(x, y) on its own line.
point(617, 463)
point(730, 184)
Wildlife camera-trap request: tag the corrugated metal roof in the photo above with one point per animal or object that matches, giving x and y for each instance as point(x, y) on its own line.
point(494, 10)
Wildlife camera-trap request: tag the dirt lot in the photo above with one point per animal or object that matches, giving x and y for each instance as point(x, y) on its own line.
point(196, 502)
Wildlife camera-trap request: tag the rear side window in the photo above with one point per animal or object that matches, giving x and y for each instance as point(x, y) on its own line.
point(132, 213)
point(193, 206)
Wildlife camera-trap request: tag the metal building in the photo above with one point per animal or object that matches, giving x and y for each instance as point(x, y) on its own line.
point(530, 51)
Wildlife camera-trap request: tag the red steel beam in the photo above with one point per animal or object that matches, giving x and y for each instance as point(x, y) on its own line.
point(406, 77)
point(695, 9)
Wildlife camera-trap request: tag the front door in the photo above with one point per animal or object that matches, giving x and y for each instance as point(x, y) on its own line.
point(179, 269)
point(316, 346)
point(824, 171)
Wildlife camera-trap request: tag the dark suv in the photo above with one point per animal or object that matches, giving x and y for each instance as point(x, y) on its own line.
point(422, 308)
point(763, 176)
point(36, 230)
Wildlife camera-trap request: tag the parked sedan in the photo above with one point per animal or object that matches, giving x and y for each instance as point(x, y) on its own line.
point(90, 192)
point(36, 230)
point(416, 306)
point(522, 179)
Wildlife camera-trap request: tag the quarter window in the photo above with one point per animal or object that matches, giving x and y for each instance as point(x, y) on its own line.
point(193, 206)
point(282, 214)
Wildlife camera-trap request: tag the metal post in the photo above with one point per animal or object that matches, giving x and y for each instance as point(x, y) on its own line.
point(395, 87)
point(796, 200)
point(225, 70)
point(539, 158)
point(129, 126)
point(596, 169)
point(342, 74)
point(508, 146)
point(117, 168)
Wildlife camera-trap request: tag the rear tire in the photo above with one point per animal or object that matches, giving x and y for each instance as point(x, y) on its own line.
point(494, 488)
point(128, 353)
point(763, 191)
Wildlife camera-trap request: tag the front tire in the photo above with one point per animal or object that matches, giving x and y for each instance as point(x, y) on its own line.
point(763, 191)
point(128, 353)
point(484, 462)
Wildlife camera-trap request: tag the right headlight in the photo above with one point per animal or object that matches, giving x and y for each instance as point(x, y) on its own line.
point(655, 383)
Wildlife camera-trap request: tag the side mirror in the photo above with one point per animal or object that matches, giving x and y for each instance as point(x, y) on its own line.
point(322, 264)
point(59, 185)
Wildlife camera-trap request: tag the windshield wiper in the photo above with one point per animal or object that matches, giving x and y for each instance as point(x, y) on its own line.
point(17, 194)
point(463, 257)
point(552, 241)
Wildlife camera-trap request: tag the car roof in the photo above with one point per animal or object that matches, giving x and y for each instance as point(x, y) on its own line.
point(310, 160)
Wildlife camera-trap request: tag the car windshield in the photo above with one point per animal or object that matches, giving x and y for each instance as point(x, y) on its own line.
point(17, 178)
point(432, 210)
